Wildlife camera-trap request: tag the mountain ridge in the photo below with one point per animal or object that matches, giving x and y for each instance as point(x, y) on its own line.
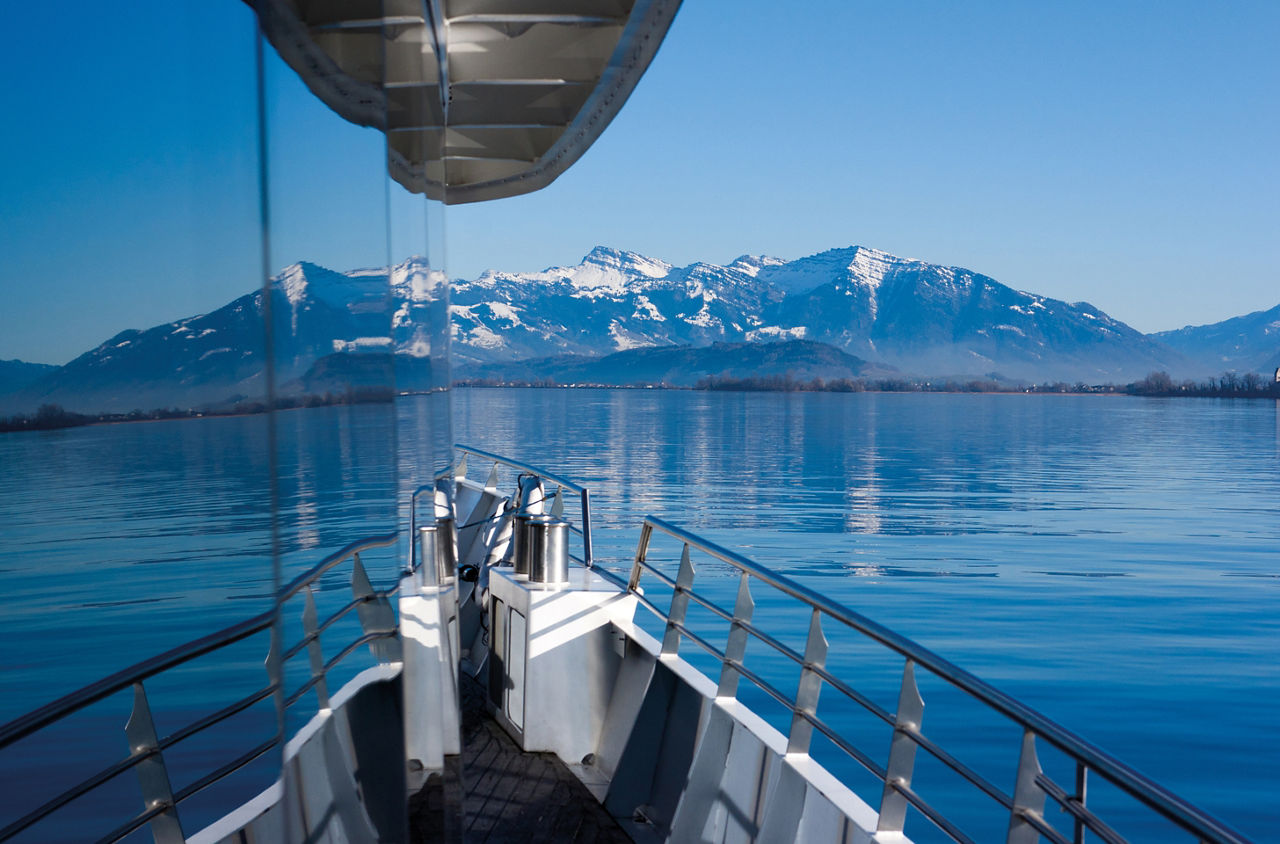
point(889, 313)
point(902, 312)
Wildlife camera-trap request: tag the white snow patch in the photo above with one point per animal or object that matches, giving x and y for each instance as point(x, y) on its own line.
point(485, 338)
point(702, 318)
point(361, 344)
point(623, 339)
point(501, 310)
point(214, 352)
point(293, 281)
point(647, 310)
point(414, 280)
point(774, 332)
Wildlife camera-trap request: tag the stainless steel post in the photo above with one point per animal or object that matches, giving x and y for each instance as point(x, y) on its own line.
point(428, 568)
point(520, 542)
point(547, 541)
point(446, 549)
point(531, 498)
point(438, 560)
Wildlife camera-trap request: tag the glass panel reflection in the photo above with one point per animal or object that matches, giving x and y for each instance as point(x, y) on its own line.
point(135, 507)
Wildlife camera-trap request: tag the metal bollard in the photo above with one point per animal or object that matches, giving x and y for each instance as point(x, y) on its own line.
point(446, 549)
point(530, 497)
point(436, 554)
point(546, 547)
point(520, 540)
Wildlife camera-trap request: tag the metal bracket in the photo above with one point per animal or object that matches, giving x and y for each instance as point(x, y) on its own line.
point(815, 656)
point(376, 614)
point(1028, 797)
point(679, 604)
point(902, 753)
point(735, 650)
point(153, 777)
point(316, 656)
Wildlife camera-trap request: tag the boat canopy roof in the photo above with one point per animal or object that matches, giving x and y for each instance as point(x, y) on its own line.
point(479, 99)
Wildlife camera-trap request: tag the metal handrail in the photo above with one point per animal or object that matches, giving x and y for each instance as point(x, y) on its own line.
point(136, 675)
point(1032, 786)
point(523, 467)
point(584, 494)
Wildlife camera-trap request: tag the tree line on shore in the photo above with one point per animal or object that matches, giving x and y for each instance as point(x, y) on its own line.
point(51, 417)
point(1228, 385)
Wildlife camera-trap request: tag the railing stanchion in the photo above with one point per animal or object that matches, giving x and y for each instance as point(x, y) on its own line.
point(642, 551)
point(1082, 788)
point(587, 557)
point(1028, 797)
point(153, 777)
point(735, 649)
point(375, 614)
point(815, 656)
point(315, 655)
point(679, 604)
point(902, 753)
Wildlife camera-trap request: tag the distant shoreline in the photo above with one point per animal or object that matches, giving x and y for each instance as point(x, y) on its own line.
point(51, 417)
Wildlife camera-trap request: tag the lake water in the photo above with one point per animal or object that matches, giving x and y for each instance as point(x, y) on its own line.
point(1110, 561)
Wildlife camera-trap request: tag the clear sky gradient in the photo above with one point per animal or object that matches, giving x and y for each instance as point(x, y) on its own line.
point(1120, 153)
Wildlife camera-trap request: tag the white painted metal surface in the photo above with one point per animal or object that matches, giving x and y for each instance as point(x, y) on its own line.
point(561, 666)
point(429, 632)
point(318, 798)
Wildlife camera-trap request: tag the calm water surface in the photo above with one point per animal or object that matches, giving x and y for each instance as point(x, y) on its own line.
point(1110, 561)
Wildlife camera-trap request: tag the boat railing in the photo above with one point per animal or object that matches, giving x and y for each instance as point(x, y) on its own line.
point(1032, 788)
point(146, 749)
point(564, 488)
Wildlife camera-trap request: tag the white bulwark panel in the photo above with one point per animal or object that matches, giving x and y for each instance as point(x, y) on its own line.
point(646, 732)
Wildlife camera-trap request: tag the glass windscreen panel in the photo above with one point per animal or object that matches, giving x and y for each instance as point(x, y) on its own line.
point(223, 375)
point(135, 461)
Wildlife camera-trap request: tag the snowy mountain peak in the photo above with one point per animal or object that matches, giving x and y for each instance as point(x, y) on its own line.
point(753, 264)
point(613, 258)
point(869, 266)
point(605, 256)
point(413, 280)
point(293, 281)
point(363, 287)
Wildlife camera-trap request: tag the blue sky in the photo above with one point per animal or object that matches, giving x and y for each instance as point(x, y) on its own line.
point(1120, 153)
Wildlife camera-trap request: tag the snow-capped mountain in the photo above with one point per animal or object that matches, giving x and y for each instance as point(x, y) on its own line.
point(221, 356)
point(919, 317)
